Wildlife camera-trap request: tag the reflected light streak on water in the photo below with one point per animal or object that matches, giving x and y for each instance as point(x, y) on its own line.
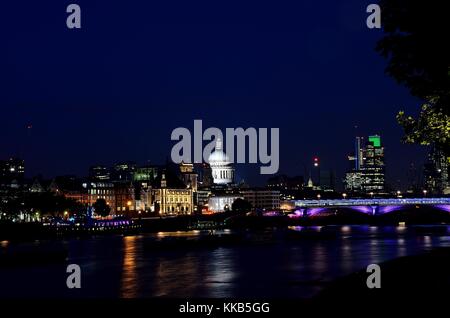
point(129, 282)
point(129, 267)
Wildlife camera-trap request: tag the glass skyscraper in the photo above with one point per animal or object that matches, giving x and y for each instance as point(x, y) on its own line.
point(368, 167)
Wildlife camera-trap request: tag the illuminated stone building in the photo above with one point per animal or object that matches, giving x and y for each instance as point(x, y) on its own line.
point(188, 176)
point(222, 169)
point(92, 191)
point(222, 203)
point(173, 201)
point(125, 198)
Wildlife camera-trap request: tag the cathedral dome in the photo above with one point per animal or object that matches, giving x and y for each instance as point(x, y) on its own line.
point(218, 157)
point(222, 169)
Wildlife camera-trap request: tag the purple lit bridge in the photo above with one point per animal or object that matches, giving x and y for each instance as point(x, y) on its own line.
point(367, 206)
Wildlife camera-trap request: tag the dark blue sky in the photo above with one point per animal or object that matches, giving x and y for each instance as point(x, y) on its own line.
point(115, 89)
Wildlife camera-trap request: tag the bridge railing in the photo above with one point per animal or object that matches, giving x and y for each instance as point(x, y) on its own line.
point(370, 202)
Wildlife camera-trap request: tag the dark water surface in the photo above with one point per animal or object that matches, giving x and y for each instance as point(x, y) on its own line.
point(129, 267)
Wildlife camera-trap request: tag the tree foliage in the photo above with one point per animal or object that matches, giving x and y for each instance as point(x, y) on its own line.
point(416, 47)
point(241, 206)
point(432, 126)
point(101, 208)
point(46, 204)
point(415, 44)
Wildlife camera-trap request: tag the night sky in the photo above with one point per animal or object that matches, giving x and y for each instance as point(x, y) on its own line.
point(116, 89)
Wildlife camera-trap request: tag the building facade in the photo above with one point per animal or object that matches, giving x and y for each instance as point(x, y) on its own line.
point(94, 191)
point(173, 201)
point(368, 173)
point(262, 199)
point(436, 172)
point(11, 170)
point(222, 168)
point(222, 203)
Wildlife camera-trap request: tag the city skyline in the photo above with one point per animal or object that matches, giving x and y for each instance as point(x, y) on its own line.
point(220, 157)
point(131, 93)
point(305, 169)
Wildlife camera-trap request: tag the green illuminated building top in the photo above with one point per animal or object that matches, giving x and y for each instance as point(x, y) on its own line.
point(375, 140)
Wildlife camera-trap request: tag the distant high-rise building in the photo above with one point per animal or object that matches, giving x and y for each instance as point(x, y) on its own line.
point(289, 187)
point(12, 170)
point(353, 181)
point(188, 176)
point(99, 173)
point(204, 173)
point(436, 172)
point(124, 171)
point(413, 180)
point(368, 167)
point(283, 182)
point(373, 166)
point(327, 180)
point(145, 174)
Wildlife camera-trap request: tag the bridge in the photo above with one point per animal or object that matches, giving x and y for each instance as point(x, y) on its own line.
point(368, 206)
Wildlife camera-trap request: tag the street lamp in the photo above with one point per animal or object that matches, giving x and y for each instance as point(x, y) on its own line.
point(129, 203)
point(425, 192)
point(319, 196)
point(344, 195)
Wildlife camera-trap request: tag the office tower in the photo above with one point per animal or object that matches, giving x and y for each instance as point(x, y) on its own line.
point(327, 180)
point(12, 169)
point(99, 173)
point(204, 172)
point(436, 172)
point(367, 174)
point(124, 171)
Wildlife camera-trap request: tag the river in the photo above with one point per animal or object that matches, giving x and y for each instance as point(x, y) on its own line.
point(125, 267)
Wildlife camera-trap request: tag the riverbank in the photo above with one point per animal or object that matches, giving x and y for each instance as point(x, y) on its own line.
point(38, 231)
point(423, 278)
point(34, 231)
point(229, 264)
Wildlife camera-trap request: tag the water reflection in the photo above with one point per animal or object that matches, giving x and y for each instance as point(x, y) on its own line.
point(427, 242)
point(376, 250)
point(177, 276)
point(319, 259)
point(130, 267)
point(220, 274)
point(347, 255)
point(129, 281)
point(401, 247)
